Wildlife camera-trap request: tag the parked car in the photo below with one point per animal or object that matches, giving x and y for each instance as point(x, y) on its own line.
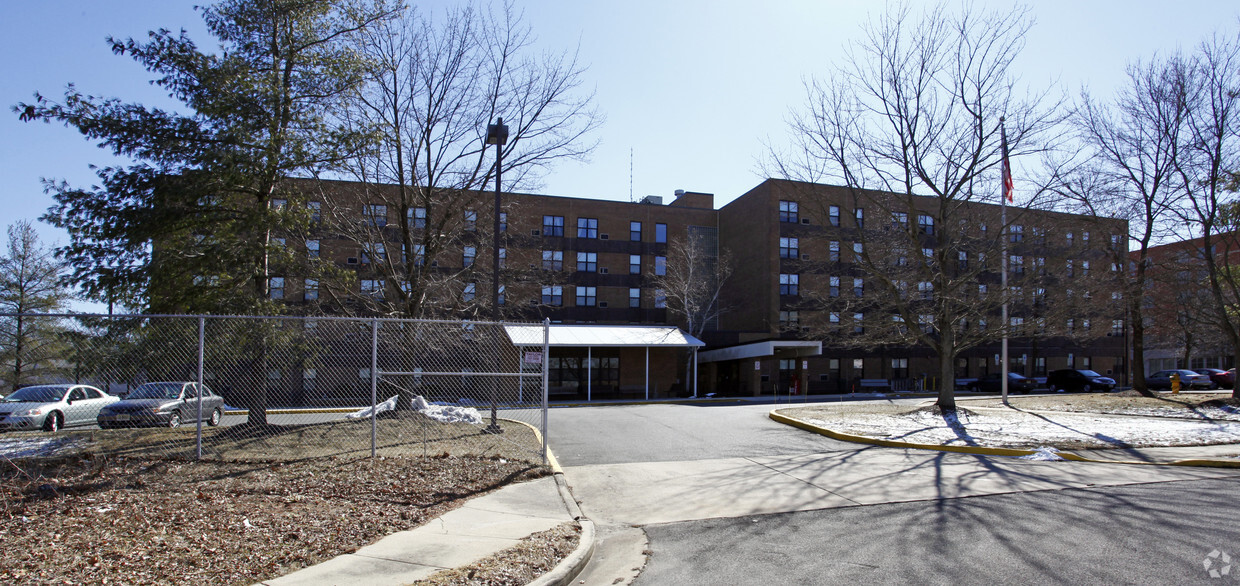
point(992, 383)
point(166, 404)
point(1069, 379)
point(52, 407)
point(1188, 380)
point(1223, 379)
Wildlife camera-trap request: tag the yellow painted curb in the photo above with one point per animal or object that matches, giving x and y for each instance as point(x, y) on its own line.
point(551, 461)
point(982, 450)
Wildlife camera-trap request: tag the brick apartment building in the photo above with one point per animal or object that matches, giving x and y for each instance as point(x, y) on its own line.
point(583, 261)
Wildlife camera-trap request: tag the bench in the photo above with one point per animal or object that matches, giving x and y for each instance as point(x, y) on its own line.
point(873, 384)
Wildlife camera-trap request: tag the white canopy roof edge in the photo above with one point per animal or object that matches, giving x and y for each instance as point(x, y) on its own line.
point(602, 336)
point(763, 349)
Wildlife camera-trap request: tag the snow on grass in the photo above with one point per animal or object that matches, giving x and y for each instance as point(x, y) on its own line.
point(1012, 429)
point(35, 446)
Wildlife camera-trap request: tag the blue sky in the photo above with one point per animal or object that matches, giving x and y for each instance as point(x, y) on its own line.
point(691, 89)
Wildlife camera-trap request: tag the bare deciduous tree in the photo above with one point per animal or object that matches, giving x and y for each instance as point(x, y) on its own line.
point(437, 83)
point(910, 125)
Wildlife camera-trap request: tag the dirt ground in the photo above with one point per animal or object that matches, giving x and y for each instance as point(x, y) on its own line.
point(1183, 405)
point(133, 507)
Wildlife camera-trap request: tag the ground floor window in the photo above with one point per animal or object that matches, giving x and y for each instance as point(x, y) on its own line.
point(569, 373)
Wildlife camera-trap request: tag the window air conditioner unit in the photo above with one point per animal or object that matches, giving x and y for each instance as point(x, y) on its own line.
point(602, 237)
point(603, 270)
point(351, 261)
point(805, 220)
point(602, 304)
point(535, 232)
point(434, 263)
point(533, 302)
point(804, 257)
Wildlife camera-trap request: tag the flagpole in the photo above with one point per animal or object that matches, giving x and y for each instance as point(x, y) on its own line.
point(1003, 198)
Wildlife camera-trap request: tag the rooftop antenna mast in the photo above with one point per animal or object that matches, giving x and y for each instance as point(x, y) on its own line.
point(631, 200)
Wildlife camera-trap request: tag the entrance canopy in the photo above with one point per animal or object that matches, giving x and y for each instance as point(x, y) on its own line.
point(763, 349)
point(603, 336)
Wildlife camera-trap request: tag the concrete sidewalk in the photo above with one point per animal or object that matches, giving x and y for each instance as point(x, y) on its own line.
point(482, 527)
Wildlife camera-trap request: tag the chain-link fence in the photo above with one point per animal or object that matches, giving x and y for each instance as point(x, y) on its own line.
point(271, 387)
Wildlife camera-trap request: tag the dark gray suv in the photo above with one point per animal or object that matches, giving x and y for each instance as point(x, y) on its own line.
point(1072, 380)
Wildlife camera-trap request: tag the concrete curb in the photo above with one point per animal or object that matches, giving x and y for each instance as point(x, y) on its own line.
point(982, 450)
point(568, 568)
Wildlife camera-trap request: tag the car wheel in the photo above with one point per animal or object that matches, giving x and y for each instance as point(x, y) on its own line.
point(1087, 389)
point(216, 416)
point(175, 420)
point(1053, 388)
point(53, 421)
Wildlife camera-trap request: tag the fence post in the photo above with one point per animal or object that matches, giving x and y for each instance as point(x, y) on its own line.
point(374, 386)
point(202, 335)
point(546, 381)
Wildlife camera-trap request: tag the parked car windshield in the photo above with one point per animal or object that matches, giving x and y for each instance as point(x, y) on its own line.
point(40, 394)
point(1089, 373)
point(156, 391)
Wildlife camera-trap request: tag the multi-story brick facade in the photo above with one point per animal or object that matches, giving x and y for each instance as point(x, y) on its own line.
point(577, 260)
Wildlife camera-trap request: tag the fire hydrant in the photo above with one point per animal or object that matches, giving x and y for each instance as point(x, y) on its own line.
point(1175, 383)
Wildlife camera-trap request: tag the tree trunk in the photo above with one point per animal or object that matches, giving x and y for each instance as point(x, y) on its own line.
point(947, 382)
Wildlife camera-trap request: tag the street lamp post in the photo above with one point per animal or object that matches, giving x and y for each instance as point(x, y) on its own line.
point(497, 134)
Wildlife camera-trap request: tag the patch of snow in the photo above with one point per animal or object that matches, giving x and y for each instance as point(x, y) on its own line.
point(1003, 429)
point(447, 413)
point(1044, 454)
point(388, 405)
point(36, 447)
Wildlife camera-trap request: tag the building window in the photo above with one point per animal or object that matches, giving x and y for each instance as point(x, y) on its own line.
point(635, 297)
point(586, 296)
point(501, 297)
point(833, 251)
point(1071, 272)
point(1017, 263)
point(372, 288)
point(660, 265)
point(311, 289)
point(1039, 366)
point(1084, 268)
point(275, 286)
point(789, 284)
point(925, 290)
point(660, 299)
point(929, 254)
point(312, 248)
point(789, 319)
point(1115, 239)
point(419, 254)
point(858, 252)
point(553, 225)
point(587, 227)
point(964, 260)
point(1084, 237)
point(859, 214)
point(553, 260)
point(375, 252)
point(1117, 327)
point(635, 231)
point(788, 212)
point(376, 214)
point(503, 221)
point(899, 368)
point(833, 215)
point(1017, 233)
point(587, 262)
point(553, 295)
point(925, 224)
point(858, 287)
point(834, 288)
point(899, 220)
point(468, 256)
point(789, 248)
point(417, 217)
point(468, 294)
point(834, 318)
point(471, 220)
point(316, 211)
point(635, 264)
point(858, 323)
point(503, 258)
point(660, 233)
point(279, 204)
point(1039, 265)
point(1069, 238)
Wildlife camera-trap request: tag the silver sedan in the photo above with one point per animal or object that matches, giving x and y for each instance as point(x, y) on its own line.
point(51, 407)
